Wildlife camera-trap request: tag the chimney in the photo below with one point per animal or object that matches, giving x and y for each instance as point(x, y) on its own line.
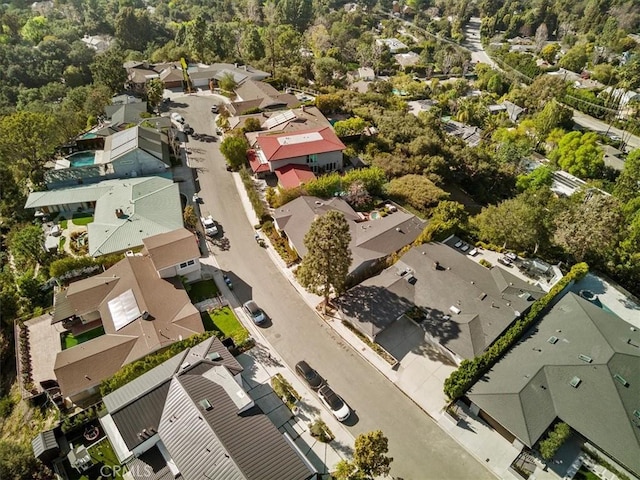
point(119, 213)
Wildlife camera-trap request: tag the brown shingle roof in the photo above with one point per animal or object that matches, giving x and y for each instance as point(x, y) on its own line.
point(171, 317)
point(171, 248)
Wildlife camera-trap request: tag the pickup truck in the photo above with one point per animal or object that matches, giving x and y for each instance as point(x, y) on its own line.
point(210, 227)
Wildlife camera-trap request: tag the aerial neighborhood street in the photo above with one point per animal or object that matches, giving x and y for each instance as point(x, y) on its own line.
point(302, 240)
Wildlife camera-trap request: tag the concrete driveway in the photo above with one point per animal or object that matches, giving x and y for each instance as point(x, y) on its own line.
point(421, 450)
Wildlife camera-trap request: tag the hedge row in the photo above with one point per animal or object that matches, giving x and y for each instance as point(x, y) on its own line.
point(253, 194)
point(470, 371)
point(134, 370)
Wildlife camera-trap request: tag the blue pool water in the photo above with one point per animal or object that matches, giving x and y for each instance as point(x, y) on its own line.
point(82, 159)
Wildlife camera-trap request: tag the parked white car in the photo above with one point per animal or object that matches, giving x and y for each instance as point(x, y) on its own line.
point(177, 117)
point(209, 224)
point(334, 403)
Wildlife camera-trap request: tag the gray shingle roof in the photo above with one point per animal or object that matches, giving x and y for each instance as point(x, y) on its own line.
point(223, 442)
point(487, 300)
point(370, 240)
point(529, 387)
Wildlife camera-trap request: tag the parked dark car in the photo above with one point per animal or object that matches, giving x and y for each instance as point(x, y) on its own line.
point(313, 379)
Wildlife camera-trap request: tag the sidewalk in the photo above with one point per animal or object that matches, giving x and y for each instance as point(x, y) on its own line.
point(472, 433)
point(261, 364)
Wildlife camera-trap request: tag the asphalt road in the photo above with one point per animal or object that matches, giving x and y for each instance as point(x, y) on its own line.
point(421, 450)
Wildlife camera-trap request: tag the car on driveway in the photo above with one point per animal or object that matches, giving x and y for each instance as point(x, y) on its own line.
point(334, 403)
point(209, 225)
point(506, 261)
point(313, 379)
point(255, 312)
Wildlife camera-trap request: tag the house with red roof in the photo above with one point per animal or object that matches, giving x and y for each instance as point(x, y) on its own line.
point(304, 152)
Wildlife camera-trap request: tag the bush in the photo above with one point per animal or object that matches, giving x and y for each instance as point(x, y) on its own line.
point(284, 390)
point(470, 371)
point(321, 432)
point(556, 438)
point(6, 406)
point(253, 194)
point(485, 263)
point(134, 370)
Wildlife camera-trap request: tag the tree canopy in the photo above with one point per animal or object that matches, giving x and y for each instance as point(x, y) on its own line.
point(325, 266)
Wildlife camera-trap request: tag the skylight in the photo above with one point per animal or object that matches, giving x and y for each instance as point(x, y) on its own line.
point(124, 309)
point(300, 138)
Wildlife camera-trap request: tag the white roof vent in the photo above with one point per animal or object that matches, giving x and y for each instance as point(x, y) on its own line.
point(454, 309)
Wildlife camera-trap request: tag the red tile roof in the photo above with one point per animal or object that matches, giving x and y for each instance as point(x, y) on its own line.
point(291, 176)
point(255, 164)
point(300, 143)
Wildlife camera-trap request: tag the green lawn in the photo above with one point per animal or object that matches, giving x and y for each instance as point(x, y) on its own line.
point(63, 223)
point(202, 290)
point(584, 474)
point(68, 340)
point(225, 321)
point(103, 453)
point(82, 218)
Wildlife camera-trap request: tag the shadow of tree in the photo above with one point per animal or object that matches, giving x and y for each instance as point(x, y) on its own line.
point(262, 355)
point(343, 449)
point(378, 312)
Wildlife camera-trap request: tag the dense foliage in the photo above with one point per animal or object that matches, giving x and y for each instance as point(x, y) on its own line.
point(470, 371)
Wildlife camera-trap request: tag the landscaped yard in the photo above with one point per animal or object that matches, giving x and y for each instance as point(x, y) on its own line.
point(104, 460)
point(63, 224)
point(584, 474)
point(202, 290)
point(225, 321)
point(82, 218)
point(69, 340)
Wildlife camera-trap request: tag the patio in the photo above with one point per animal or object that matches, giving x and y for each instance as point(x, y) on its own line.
point(44, 345)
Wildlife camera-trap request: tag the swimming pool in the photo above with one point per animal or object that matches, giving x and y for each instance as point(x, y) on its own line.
point(82, 159)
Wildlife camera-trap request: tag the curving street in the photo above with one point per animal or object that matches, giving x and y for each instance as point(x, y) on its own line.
point(421, 450)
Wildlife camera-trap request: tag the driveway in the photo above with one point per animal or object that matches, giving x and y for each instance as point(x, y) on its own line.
point(421, 450)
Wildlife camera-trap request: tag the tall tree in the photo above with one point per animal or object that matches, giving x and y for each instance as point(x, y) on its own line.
point(579, 154)
point(234, 150)
point(522, 223)
point(296, 12)
point(27, 140)
point(627, 186)
point(370, 454)
point(325, 266)
point(590, 230)
point(155, 92)
point(107, 69)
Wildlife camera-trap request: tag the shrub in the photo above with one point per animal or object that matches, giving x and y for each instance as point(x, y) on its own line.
point(253, 194)
point(320, 431)
point(6, 406)
point(134, 370)
point(284, 390)
point(485, 263)
point(555, 439)
point(470, 371)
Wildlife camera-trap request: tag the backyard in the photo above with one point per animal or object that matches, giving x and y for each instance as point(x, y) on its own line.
point(225, 321)
point(105, 464)
point(69, 340)
point(202, 290)
point(82, 218)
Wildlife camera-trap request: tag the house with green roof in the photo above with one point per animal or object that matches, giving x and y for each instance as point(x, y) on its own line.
point(125, 211)
point(580, 364)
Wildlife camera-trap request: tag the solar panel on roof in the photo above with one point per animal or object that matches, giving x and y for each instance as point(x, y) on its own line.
point(124, 309)
point(279, 119)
